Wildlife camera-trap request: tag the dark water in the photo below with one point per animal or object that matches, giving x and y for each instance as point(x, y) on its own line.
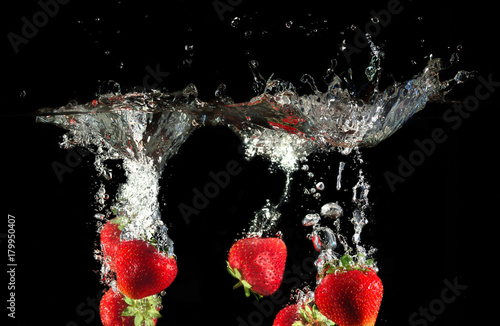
point(429, 224)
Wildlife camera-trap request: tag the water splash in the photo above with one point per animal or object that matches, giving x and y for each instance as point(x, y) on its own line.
point(145, 130)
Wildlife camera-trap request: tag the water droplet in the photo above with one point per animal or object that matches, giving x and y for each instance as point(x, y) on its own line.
point(311, 219)
point(420, 18)
point(339, 176)
point(463, 76)
point(99, 216)
point(265, 219)
point(305, 167)
point(343, 45)
point(190, 90)
point(221, 90)
point(22, 94)
point(332, 210)
point(459, 47)
point(235, 22)
point(323, 239)
point(320, 186)
point(310, 174)
point(325, 257)
point(289, 24)
point(107, 52)
point(375, 20)
point(454, 58)
point(354, 27)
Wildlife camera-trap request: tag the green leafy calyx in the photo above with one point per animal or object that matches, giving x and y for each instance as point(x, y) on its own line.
point(347, 263)
point(246, 286)
point(310, 316)
point(143, 310)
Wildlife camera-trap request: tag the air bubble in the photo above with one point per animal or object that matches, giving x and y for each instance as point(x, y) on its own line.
point(332, 210)
point(235, 22)
point(311, 219)
point(324, 239)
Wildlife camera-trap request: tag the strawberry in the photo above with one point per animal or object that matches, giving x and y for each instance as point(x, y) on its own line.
point(142, 270)
point(117, 310)
point(287, 316)
point(258, 264)
point(110, 240)
point(350, 295)
point(301, 314)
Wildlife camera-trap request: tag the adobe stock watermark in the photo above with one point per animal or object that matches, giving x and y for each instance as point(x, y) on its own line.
point(74, 158)
point(437, 306)
point(266, 307)
point(380, 19)
point(454, 117)
point(88, 310)
point(201, 197)
point(154, 77)
point(30, 27)
point(222, 6)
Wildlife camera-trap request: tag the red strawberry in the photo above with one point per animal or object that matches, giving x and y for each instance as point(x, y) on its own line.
point(258, 263)
point(301, 314)
point(110, 240)
point(350, 296)
point(118, 310)
point(141, 270)
point(287, 316)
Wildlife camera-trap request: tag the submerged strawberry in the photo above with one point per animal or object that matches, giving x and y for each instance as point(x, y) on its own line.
point(110, 241)
point(118, 310)
point(301, 314)
point(142, 270)
point(350, 295)
point(258, 264)
point(287, 316)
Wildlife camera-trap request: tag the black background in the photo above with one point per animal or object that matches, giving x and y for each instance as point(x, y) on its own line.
point(439, 224)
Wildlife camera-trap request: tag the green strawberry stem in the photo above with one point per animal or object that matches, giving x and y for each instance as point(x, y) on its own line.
point(120, 221)
point(144, 310)
point(241, 282)
point(345, 263)
point(310, 316)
